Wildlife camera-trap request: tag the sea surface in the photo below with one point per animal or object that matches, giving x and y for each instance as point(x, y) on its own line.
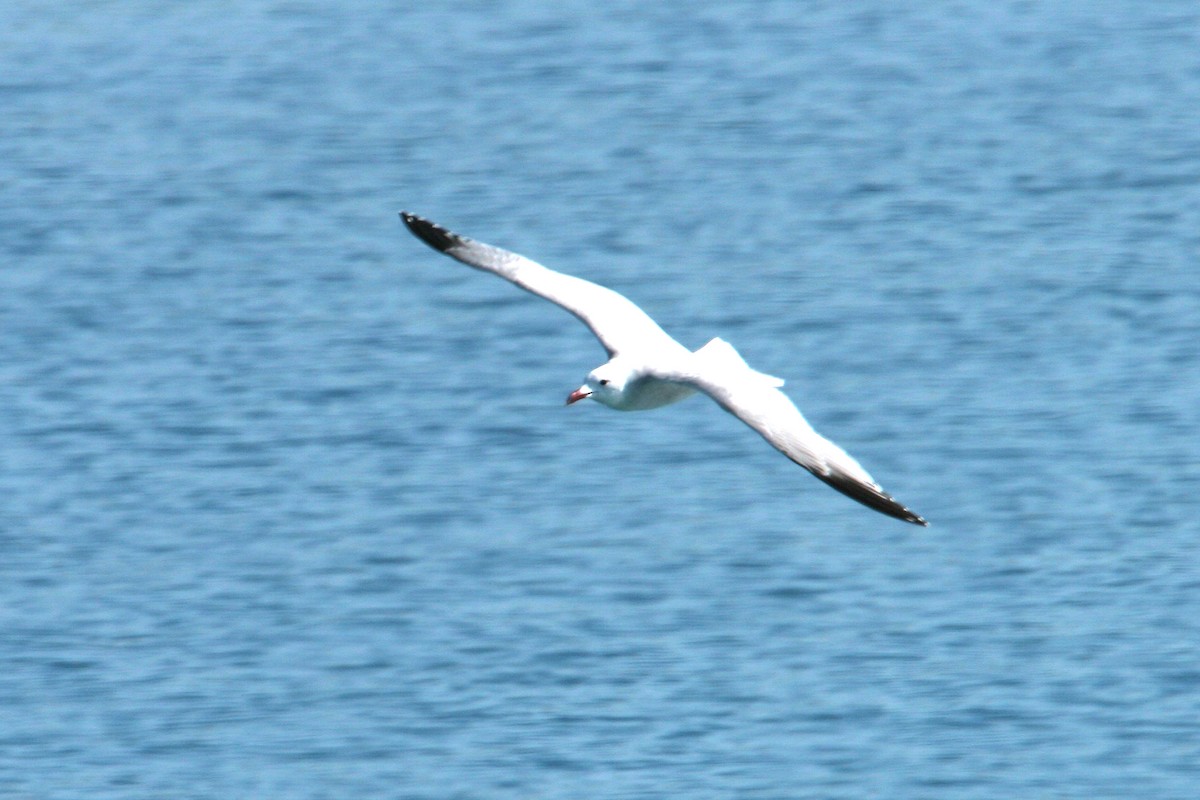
point(290, 506)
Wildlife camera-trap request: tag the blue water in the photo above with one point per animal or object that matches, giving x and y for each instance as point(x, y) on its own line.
point(290, 504)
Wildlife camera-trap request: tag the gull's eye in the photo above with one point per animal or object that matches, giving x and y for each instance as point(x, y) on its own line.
point(604, 381)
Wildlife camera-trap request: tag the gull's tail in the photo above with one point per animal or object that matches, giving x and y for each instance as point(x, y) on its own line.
point(720, 355)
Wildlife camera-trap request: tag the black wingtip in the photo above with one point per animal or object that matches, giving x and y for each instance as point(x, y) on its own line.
point(882, 502)
point(433, 235)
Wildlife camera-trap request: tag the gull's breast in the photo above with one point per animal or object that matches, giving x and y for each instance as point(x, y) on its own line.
point(647, 392)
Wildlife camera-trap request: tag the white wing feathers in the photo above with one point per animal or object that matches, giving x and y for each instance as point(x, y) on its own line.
point(616, 321)
point(755, 399)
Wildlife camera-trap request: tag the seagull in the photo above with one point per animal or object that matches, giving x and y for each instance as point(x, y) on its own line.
point(646, 368)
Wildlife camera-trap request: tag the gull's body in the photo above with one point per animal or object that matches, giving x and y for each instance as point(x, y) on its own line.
point(648, 369)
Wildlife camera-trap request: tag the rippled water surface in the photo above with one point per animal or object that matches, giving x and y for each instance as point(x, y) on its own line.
point(290, 504)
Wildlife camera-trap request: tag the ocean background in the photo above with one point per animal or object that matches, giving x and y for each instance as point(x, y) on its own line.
point(289, 503)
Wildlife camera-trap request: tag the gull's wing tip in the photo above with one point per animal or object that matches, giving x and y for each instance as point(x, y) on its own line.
point(433, 235)
point(893, 508)
point(873, 497)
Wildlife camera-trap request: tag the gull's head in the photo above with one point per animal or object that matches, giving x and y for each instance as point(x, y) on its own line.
point(605, 384)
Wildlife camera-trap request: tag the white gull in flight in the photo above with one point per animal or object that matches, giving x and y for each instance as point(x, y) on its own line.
point(647, 368)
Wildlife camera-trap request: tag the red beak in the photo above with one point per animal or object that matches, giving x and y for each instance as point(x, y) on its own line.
point(577, 395)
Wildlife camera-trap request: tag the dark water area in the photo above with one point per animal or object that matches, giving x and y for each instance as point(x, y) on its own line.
point(291, 507)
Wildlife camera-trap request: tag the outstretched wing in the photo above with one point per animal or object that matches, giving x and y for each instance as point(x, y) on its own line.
point(615, 320)
point(762, 406)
